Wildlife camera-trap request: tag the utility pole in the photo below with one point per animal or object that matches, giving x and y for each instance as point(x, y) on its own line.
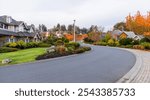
point(74, 31)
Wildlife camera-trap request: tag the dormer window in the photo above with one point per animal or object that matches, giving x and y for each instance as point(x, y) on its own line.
point(8, 19)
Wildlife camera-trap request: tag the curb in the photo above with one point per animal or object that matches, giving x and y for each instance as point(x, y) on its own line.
point(129, 77)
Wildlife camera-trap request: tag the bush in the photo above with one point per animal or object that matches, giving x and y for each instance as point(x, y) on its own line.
point(82, 49)
point(79, 50)
point(59, 42)
point(86, 48)
point(138, 47)
point(64, 40)
point(31, 45)
point(7, 49)
point(72, 44)
point(135, 42)
point(146, 45)
point(71, 49)
point(144, 40)
point(126, 46)
point(50, 40)
point(12, 45)
point(117, 43)
point(126, 41)
point(101, 43)
point(107, 37)
point(111, 42)
point(61, 49)
point(87, 40)
point(41, 44)
point(21, 44)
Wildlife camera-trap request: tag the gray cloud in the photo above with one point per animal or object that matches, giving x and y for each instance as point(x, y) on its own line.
point(86, 12)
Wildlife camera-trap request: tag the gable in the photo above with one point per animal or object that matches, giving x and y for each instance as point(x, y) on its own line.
point(123, 35)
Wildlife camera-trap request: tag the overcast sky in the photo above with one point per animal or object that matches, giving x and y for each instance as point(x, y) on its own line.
point(87, 12)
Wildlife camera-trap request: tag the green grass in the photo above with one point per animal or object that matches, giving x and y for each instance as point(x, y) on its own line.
point(22, 56)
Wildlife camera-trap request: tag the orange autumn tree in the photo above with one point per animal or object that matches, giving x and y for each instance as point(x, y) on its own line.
point(140, 24)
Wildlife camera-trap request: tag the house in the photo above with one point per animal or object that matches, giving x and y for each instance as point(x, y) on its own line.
point(132, 35)
point(13, 31)
point(117, 34)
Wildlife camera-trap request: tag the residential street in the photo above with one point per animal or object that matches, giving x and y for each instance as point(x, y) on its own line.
point(102, 64)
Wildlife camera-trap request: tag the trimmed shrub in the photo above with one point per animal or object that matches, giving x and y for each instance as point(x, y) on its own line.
point(101, 43)
point(86, 48)
point(144, 40)
point(126, 41)
point(32, 45)
point(135, 42)
point(87, 40)
point(126, 46)
point(59, 42)
point(61, 49)
point(138, 47)
point(146, 45)
point(82, 49)
point(11, 44)
point(64, 40)
point(7, 49)
point(73, 44)
point(111, 42)
point(79, 50)
point(117, 43)
point(21, 44)
point(71, 49)
point(41, 44)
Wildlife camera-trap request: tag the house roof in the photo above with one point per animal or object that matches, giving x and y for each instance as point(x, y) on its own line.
point(130, 34)
point(117, 32)
point(18, 34)
point(3, 19)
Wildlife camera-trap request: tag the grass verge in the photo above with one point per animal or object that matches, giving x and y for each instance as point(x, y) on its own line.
point(22, 56)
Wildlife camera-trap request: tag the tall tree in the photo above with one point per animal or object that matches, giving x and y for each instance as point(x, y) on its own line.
point(63, 28)
point(70, 29)
point(58, 27)
point(138, 23)
point(120, 26)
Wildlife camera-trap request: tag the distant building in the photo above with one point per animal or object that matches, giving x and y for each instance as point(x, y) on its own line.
point(117, 34)
point(12, 31)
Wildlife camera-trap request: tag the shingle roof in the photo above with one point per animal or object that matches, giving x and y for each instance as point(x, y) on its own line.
point(118, 32)
point(130, 34)
point(18, 34)
point(13, 22)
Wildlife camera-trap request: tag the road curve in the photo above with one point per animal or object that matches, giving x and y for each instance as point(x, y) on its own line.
point(101, 65)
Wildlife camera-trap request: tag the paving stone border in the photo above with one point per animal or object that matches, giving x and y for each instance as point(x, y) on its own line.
point(140, 73)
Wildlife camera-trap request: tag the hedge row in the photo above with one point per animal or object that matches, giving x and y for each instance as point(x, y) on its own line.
point(7, 49)
point(23, 45)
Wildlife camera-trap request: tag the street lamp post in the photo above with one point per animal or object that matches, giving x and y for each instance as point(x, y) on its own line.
point(74, 31)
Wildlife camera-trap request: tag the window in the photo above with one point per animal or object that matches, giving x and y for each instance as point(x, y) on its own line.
point(12, 39)
point(27, 40)
point(5, 27)
point(1, 25)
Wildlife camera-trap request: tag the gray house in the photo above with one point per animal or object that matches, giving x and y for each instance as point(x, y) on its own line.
point(117, 34)
point(12, 31)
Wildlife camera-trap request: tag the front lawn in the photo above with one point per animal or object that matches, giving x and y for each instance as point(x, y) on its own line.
point(22, 56)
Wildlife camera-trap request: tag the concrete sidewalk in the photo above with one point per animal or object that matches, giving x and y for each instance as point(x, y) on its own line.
point(140, 73)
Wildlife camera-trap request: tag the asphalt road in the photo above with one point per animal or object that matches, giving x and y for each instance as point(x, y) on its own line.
point(101, 65)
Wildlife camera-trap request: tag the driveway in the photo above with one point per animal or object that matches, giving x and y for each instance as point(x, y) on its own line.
point(101, 65)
